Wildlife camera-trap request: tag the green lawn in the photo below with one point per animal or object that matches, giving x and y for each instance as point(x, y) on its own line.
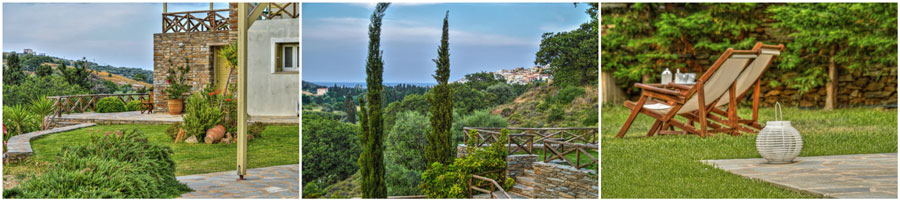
point(279, 145)
point(669, 167)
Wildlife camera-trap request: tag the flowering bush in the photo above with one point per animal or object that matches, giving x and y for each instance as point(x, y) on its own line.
point(175, 79)
point(451, 181)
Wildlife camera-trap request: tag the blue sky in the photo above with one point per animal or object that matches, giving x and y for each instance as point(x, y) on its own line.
point(483, 37)
point(118, 34)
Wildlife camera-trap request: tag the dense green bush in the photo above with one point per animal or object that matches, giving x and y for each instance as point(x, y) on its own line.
point(133, 105)
point(404, 160)
point(451, 181)
point(117, 165)
point(110, 104)
point(330, 149)
point(504, 93)
point(556, 113)
point(200, 115)
point(481, 118)
point(38, 87)
point(567, 94)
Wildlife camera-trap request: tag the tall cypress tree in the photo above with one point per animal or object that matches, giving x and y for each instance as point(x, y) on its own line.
point(371, 160)
point(440, 145)
point(350, 109)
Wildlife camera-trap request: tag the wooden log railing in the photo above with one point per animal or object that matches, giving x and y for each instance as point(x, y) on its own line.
point(525, 138)
point(83, 103)
point(196, 21)
point(562, 151)
point(489, 185)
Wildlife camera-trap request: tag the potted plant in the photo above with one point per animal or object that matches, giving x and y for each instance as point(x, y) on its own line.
point(177, 88)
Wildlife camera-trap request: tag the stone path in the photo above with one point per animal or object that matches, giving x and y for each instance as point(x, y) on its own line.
point(839, 176)
point(19, 146)
point(135, 117)
point(268, 182)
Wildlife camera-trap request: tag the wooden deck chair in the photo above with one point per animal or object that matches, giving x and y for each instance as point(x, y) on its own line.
point(147, 104)
point(691, 102)
point(749, 78)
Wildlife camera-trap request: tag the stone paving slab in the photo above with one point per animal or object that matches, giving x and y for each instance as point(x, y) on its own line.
point(19, 146)
point(268, 182)
point(838, 176)
point(135, 117)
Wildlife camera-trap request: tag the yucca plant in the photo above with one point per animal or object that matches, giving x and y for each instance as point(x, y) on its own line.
point(19, 118)
point(41, 107)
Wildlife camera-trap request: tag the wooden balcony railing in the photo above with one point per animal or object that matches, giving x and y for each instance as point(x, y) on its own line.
point(566, 148)
point(196, 21)
point(525, 138)
point(84, 103)
point(279, 10)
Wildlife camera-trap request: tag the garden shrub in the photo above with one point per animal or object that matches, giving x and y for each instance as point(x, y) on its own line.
point(110, 104)
point(567, 94)
point(117, 165)
point(133, 105)
point(199, 115)
point(451, 181)
point(38, 87)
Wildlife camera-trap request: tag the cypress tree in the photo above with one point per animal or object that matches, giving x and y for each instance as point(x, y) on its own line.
point(371, 160)
point(13, 74)
point(350, 109)
point(440, 145)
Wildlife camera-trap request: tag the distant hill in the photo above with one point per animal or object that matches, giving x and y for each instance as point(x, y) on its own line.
point(31, 61)
point(115, 78)
point(526, 110)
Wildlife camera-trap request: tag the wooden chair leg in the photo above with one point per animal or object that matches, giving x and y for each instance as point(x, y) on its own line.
point(656, 127)
point(634, 112)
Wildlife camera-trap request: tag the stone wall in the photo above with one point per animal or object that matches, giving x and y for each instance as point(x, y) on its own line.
point(197, 47)
point(563, 181)
point(877, 87)
point(517, 164)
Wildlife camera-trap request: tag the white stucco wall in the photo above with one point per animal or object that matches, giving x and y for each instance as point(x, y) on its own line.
point(271, 93)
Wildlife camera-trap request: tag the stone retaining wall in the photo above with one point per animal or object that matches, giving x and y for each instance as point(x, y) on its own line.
point(563, 181)
point(517, 164)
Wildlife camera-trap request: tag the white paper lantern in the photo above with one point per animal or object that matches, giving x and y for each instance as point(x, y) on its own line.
point(779, 142)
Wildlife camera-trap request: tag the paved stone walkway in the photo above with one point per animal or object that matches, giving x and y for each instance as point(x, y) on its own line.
point(839, 176)
point(135, 117)
point(268, 182)
point(19, 146)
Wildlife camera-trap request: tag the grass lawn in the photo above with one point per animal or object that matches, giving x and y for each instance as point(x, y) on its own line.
point(669, 167)
point(279, 145)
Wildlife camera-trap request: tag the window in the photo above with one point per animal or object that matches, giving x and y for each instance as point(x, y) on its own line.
point(287, 57)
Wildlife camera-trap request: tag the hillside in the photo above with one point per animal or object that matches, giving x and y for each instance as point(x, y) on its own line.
point(544, 106)
point(115, 78)
point(31, 61)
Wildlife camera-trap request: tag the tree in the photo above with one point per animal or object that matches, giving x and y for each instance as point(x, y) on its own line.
point(140, 77)
point(572, 55)
point(350, 109)
point(78, 75)
point(43, 70)
point(855, 36)
point(13, 74)
point(504, 92)
point(403, 153)
point(440, 148)
point(371, 160)
point(329, 148)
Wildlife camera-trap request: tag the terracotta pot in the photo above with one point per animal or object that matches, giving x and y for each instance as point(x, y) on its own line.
point(214, 134)
point(175, 106)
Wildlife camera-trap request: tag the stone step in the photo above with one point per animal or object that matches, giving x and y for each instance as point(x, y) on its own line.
point(525, 191)
point(525, 181)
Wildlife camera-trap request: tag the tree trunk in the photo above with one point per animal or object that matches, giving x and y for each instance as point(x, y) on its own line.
point(832, 78)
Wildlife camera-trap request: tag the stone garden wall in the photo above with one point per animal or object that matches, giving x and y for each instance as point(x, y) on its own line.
point(877, 87)
point(517, 164)
point(197, 48)
point(563, 181)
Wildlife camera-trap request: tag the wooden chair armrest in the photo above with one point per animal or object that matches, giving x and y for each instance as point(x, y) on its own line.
point(648, 87)
point(680, 86)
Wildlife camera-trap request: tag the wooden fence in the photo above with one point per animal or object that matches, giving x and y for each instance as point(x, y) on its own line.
point(487, 185)
point(84, 103)
point(196, 21)
point(566, 148)
point(525, 138)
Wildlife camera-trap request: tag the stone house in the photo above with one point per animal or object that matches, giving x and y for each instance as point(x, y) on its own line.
point(273, 44)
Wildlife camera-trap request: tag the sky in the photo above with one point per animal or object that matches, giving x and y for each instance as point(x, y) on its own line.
point(483, 37)
point(117, 34)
